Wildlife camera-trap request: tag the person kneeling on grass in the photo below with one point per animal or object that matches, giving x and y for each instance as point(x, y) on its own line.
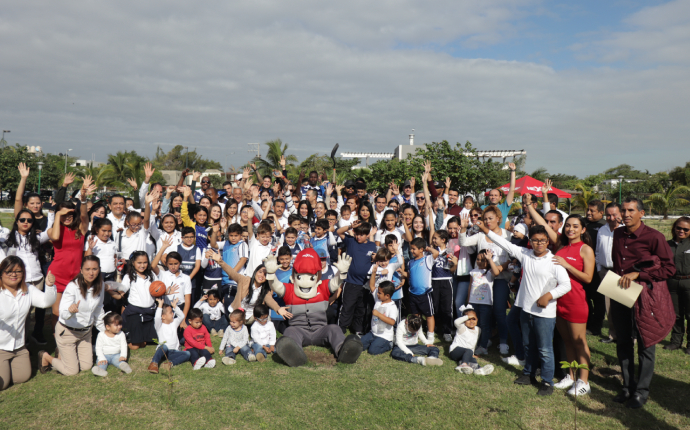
point(236, 339)
point(166, 325)
point(383, 317)
point(466, 337)
point(263, 333)
point(213, 310)
point(406, 346)
point(197, 341)
point(111, 346)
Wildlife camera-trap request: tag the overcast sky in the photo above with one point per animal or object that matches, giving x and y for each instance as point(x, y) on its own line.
point(581, 87)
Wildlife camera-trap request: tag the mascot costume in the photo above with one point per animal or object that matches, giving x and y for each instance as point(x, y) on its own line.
point(307, 298)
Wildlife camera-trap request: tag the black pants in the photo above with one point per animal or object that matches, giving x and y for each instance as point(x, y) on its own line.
point(596, 303)
point(680, 294)
point(462, 355)
point(353, 307)
point(624, 322)
point(442, 296)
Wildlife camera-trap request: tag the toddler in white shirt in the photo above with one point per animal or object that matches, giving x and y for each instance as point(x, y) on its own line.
point(111, 346)
point(213, 311)
point(263, 333)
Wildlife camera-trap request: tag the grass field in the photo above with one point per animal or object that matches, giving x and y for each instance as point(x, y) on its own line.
point(376, 392)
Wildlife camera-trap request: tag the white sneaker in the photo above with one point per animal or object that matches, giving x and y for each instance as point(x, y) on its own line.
point(433, 361)
point(513, 361)
point(565, 383)
point(125, 367)
point(480, 351)
point(465, 368)
point(487, 369)
point(251, 357)
point(580, 388)
point(210, 364)
point(228, 361)
point(98, 371)
point(503, 348)
point(199, 363)
point(447, 338)
point(421, 360)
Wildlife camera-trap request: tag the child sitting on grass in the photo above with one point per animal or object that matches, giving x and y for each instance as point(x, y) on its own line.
point(466, 337)
point(166, 325)
point(213, 311)
point(406, 346)
point(383, 318)
point(236, 339)
point(197, 341)
point(111, 346)
point(263, 333)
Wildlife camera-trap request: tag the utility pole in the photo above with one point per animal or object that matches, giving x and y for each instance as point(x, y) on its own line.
point(257, 150)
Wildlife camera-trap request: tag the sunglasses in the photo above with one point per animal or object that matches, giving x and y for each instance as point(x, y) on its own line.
point(263, 319)
point(25, 220)
point(678, 228)
point(205, 182)
point(475, 215)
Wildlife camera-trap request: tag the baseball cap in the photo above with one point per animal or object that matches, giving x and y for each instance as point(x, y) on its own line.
point(307, 261)
point(238, 177)
point(322, 253)
point(349, 183)
point(407, 183)
point(438, 184)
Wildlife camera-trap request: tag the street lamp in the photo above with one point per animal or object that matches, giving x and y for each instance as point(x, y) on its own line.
point(187, 157)
point(66, 159)
point(3, 134)
point(40, 167)
point(620, 189)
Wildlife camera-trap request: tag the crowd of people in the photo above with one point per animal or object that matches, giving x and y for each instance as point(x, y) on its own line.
point(428, 265)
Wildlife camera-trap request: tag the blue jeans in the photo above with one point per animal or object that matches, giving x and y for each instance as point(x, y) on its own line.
point(113, 359)
point(501, 293)
point(513, 321)
point(174, 356)
point(417, 350)
point(244, 351)
point(484, 313)
point(375, 345)
point(195, 354)
point(462, 355)
point(537, 336)
point(220, 324)
point(257, 349)
point(460, 289)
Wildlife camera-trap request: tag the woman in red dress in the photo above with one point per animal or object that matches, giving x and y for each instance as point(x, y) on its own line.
point(67, 235)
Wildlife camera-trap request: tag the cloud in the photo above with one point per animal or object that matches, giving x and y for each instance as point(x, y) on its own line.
point(100, 77)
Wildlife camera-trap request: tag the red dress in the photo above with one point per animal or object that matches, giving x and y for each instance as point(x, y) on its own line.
point(67, 262)
point(572, 307)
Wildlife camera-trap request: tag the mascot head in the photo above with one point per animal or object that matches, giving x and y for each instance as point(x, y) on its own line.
point(306, 274)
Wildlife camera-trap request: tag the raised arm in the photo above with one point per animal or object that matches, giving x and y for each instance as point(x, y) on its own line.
point(19, 196)
point(553, 236)
point(232, 273)
point(271, 264)
point(87, 189)
point(149, 199)
point(511, 191)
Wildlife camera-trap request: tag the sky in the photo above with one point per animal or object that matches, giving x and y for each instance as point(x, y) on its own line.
point(581, 86)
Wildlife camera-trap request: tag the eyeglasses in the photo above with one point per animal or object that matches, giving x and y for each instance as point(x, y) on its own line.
point(14, 272)
point(135, 225)
point(475, 215)
point(420, 198)
point(678, 228)
point(539, 242)
point(205, 182)
point(263, 319)
point(28, 220)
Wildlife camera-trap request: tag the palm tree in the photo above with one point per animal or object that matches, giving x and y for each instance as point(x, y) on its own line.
point(116, 172)
point(276, 149)
point(670, 199)
point(586, 195)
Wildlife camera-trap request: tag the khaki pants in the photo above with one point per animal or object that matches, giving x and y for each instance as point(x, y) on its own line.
point(612, 329)
point(76, 352)
point(15, 367)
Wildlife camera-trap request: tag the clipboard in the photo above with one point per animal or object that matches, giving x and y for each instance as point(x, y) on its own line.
point(610, 288)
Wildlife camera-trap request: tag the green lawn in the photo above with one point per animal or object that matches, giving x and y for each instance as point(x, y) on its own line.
point(377, 392)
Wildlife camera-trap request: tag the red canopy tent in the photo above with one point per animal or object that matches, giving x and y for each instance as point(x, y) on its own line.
point(528, 184)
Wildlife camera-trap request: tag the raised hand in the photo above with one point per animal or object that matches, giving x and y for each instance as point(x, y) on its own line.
point(90, 190)
point(64, 211)
point(132, 182)
point(246, 173)
point(250, 213)
point(282, 161)
point(511, 166)
point(447, 184)
point(425, 178)
point(88, 181)
point(167, 242)
point(427, 166)
point(413, 181)
point(395, 189)
point(489, 254)
point(271, 264)
point(223, 223)
point(160, 302)
point(464, 221)
point(92, 242)
point(546, 187)
point(148, 171)
point(186, 192)
point(23, 171)
point(152, 196)
point(69, 178)
point(329, 188)
point(339, 188)
point(169, 190)
point(527, 198)
point(196, 176)
point(174, 302)
point(343, 264)
point(213, 255)
point(252, 165)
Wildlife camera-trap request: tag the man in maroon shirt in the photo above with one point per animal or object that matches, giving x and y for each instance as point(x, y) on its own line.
point(632, 246)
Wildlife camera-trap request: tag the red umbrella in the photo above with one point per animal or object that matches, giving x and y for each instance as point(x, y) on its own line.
point(528, 184)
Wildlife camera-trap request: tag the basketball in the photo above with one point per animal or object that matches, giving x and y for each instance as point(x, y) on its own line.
point(157, 288)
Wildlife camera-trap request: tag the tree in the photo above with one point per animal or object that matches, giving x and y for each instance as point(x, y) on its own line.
point(540, 174)
point(627, 171)
point(324, 164)
point(178, 159)
point(670, 199)
point(586, 195)
point(681, 175)
point(122, 166)
point(271, 162)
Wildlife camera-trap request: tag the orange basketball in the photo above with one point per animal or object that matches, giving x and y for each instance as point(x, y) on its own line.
point(157, 288)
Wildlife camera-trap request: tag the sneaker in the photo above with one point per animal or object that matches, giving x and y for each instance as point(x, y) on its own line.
point(580, 388)
point(484, 370)
point(525, 380)
point(98, 371)
point(214, 332)
point(465, 368)
point(565, 383)
point(220, 333)
point(228, 361)
point(545, 389)
point(447, 338)
point(260, 358)
point(251, 357)
point(210, 364)
point(420, 360)
point(513, 361)
point(125, 367)
point(480, 351)
point(433, 361)
point(199, 363)
point(503, 348)
point(153, 367)
point(474, 366)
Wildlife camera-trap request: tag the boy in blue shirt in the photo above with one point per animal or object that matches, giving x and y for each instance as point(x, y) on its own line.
point(419, 275)
point(356, 288)
point(235, 254)
point(323, 238)
point(391, 242)
point(283, 275)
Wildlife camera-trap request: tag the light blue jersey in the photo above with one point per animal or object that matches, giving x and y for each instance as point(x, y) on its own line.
point(420, 274)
